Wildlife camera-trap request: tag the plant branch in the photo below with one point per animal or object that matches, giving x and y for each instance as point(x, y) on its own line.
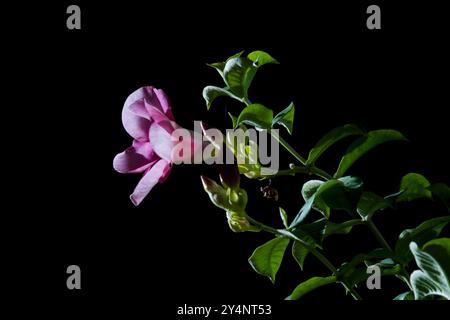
point(312, 249)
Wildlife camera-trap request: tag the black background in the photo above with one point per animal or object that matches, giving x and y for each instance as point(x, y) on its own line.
point(176, 248)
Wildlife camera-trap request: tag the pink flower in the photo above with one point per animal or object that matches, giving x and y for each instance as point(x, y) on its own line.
point(147, 117)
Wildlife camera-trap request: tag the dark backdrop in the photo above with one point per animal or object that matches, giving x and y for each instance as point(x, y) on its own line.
point(176, 248)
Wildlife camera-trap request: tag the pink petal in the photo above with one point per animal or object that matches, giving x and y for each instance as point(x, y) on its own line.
point(134, 159)
point(155, 174)
point(156, 114)
point(139, 109)
point(136, 126)
point(164, 101)
point(161, 139)
point(145, 149)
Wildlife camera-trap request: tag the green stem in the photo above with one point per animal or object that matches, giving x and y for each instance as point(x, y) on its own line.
point(373, 228)
point(306, 169)
point(308, 246)
point(289, 148)
point(378, 235)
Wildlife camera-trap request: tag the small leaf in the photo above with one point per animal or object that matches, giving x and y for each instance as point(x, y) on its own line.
point(426, 231)
point(309, 285)
point(313, 230)
point(256, 115)
point(219, 66)
point(331, 138)
point(335, 193)
point(441, 191)
point(299, 251)
point(210, 93)
point(355, 271)
point(409, 295)
point(261, 58)
point(343, 195)
point(415, 186)
point(340, 228)
point(365, 144)
point(369, 203)
point(304, 211)
point(431, 279)
point(284, 217)
point(285, 118)
point(238, 74)
point(266, 259)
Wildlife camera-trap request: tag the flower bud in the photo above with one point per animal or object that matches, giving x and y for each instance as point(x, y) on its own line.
point(239, 223)
point(216, 193)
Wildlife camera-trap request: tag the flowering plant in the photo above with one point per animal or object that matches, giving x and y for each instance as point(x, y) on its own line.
point(419, 258)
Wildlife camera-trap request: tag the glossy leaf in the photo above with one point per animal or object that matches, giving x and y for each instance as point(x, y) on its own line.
point(409, 295)
point(355, 271)
point(299, 251)
point(369, 203)
point(414, 186)
point(331, 138)
point(440, 250)
point(343, 195)
point(309, 285)
point(285, 118)
point(431, 279)
point(256, 115)
point(261, 58)
point(340, 228)
point(426, 231)
point(313, 230)
point(238, 74)
point(335, 193)
point(210, 93)
point(364, 144)
point(266, 259)
point(219, 66)
point(284, 217)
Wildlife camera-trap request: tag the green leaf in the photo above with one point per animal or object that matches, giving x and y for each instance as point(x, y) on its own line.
point(335, 193)
point(210, 93)
point(415, 186)
point(238, 74)
point(409, 295)
point(313, 230)
point(261, 58)
point(266, 259)
point(426, 231)
point(309, 189)
point(331, 138)
point(442, 192)
point(369, 203)
point(285, 118)
point(284, 217)
point(219, 66)
point(309, 285)
point(355, 271)
point(340, 228)
point(256, 115)
point(431, 279)
point(440, 250)
point(299, 251)
point(363, 145)
point(344, 195)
